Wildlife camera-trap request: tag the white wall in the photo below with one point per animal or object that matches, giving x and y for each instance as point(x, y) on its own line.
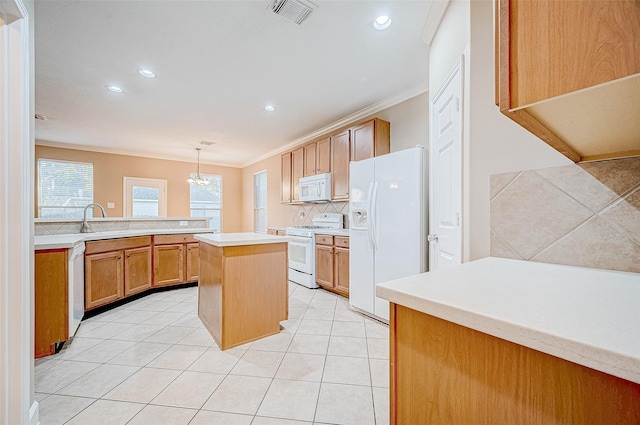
point(492, 143)
point(409, 122)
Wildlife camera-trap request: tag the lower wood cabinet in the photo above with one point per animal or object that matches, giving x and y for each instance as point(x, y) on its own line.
point(51, 309)
point(332, 263)
point(175, 259)
point(116, 268)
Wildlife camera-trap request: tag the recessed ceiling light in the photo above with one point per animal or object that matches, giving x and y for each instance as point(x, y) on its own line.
point(269, 108)
point(382, 22)
point(146, 73)
point(113, 88)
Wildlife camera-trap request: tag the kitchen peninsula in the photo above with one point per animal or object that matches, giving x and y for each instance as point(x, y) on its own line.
point(243, 287)
point(507, 341)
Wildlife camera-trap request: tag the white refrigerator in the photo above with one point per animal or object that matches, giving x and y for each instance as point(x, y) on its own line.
point(388, 224)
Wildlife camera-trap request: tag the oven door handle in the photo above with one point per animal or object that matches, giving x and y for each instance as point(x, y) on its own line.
point(300, 239)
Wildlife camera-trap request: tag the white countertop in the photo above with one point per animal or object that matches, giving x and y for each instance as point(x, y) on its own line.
point(72, 239)
point(237, 239)
point(587, 316)
point(333, 232)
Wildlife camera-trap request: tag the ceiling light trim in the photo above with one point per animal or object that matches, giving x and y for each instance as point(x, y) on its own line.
point(349, 119)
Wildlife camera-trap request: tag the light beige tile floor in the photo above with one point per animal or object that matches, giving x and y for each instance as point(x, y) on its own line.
point(152, 362)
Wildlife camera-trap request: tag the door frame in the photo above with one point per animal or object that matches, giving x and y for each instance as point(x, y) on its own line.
point(456, 76)
point(17, 400)
point(127, 201)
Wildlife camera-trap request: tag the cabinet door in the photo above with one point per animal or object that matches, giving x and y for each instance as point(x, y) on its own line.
point(51, 286)
point(309, 159)
point(340, 152)
point(324, 266)
point(297, 171)
point(323, 156)
point(168, 264)
point(285, 177)
point(137, 270)
point(104, 280)
point(370, 139)
point(193, 262)
point(341, 270)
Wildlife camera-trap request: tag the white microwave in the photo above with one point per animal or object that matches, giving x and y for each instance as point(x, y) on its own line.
point(316, 188)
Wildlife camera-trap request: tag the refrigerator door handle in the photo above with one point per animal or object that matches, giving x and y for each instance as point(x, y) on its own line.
point(374, 216)
point(370, 218)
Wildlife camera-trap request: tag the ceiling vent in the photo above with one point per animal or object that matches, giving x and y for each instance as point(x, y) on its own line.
point(296, 11)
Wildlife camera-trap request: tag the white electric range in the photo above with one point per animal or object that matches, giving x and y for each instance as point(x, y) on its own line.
point(302, 250)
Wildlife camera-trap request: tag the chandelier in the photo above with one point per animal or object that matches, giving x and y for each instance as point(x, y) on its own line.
point(199, 180)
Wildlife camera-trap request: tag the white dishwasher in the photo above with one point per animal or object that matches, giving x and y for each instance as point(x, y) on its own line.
point(76, 287)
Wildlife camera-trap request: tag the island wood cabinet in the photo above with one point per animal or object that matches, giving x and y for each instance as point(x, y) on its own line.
point(175, 259)
point(332, 263)
point(569, 73)
point(444, 373)
point(51, 288)
point(333, 154)
point(115, 269)
point(317, 157)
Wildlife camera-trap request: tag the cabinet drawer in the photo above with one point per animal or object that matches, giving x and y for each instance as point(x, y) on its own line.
point(173, 239)
point(342, 241)
point(324, 240)
point(107, 245)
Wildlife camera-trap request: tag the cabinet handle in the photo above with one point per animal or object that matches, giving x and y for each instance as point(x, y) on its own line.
point(128, 255)
point(120, 257)
point(180, 249)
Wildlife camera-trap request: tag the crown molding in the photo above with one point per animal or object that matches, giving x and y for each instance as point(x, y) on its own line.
point(434, 17)
point(346, 121)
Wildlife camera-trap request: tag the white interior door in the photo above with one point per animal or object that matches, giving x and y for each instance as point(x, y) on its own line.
point(445, 165)
point(145, 197)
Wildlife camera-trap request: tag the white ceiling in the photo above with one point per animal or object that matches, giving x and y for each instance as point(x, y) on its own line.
point(217, 64)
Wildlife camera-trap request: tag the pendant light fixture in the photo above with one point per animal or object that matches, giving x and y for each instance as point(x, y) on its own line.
point(198, 178)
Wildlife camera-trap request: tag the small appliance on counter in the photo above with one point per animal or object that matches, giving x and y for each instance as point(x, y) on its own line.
point(302, 249)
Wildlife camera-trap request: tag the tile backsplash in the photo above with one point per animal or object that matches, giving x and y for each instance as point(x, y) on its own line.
point(582, 214)
point(55, 227)
point(301, 215)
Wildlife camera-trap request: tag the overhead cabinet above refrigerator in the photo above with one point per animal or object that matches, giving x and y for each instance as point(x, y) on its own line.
point(388, 231)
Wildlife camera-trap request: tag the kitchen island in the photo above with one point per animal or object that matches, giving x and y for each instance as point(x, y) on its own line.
point(515, 342)
point(243, 288)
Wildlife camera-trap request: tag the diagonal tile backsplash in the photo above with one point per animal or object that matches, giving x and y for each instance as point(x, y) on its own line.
point(583, 214)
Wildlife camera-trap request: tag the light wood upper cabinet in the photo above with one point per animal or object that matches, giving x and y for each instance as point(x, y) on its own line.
point(310, 159)
point(317, 157)
point(569, 72)
point(323, 156)
point(369, 139)
point(297, 171)
point(285, 177)
point(340, 156)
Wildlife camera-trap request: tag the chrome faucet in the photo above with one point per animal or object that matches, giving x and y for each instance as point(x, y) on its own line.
point(86, 228)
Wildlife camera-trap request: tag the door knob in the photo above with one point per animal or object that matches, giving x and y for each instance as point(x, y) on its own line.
point(432, 238)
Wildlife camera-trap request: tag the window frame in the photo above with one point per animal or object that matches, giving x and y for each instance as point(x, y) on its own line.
point(257, 208)
point(39, 206)
point(219, 209)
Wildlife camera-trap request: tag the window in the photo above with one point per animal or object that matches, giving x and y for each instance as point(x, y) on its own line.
point(260, 202)
point(64, 188)
point(144, 197)
point(206, 201)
